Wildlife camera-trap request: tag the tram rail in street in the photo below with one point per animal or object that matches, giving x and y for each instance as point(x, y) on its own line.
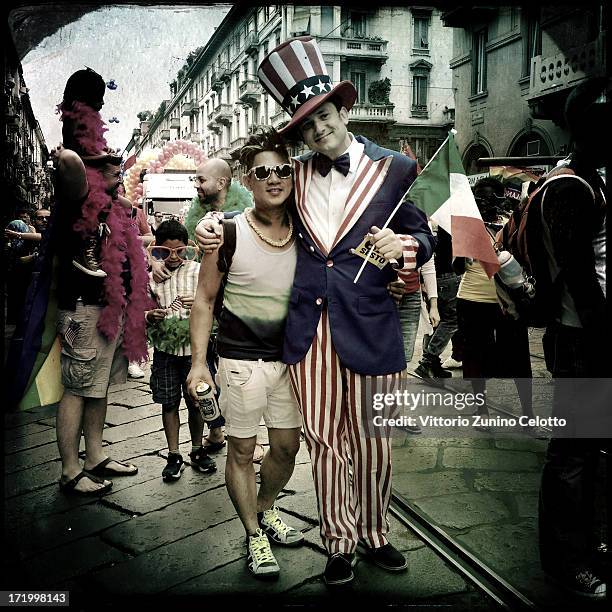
point(472, 569)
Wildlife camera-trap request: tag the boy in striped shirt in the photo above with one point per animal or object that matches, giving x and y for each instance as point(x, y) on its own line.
point(168, 332)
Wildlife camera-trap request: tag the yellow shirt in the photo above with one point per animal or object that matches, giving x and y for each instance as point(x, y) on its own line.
point(476, 286)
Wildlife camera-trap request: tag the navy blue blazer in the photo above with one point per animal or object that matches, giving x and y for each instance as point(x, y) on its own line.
point(363, 318)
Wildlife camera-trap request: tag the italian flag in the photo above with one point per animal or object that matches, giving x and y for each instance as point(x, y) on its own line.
point(443, 193)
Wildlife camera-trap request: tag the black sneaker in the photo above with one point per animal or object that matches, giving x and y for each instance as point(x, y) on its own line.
point(339, 569)
point(387, 557)
point(440, 372)
point(202, 462)
point(87, 260)
point(429, 370)
point(277, 530)
point(174, 468)
point(582, 581)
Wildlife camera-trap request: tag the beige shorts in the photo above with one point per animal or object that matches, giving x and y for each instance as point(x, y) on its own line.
point(89, 362)
point(250, 390)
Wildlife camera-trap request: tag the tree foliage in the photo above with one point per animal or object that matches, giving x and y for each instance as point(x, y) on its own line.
point(378, 91)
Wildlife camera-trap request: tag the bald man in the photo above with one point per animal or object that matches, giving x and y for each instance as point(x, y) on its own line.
point(212, 180)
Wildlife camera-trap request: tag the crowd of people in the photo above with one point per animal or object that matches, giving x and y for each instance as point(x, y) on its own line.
point(255, 297)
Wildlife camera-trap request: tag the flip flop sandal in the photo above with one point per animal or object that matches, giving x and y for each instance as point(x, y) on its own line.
point(258, 456)
point(213, 447)
point(69, 487)
point(102, 470)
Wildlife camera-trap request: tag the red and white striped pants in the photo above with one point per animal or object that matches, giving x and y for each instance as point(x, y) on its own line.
point(333, 402)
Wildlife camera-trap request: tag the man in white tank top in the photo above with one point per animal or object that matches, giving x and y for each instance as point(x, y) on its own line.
point(254, 382)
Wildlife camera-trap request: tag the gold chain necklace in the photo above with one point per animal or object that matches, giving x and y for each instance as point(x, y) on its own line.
point(275, 243)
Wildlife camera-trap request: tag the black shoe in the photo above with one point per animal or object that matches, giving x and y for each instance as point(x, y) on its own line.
point(339, 569)
point(87, 260)
point(440, 372)
point(429, 370)
point(387, 557)
point(202, 462)
point(174, 468)
point(582, 581)
point(423, 371)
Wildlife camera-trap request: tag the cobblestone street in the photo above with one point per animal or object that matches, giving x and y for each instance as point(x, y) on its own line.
point(146, 537)
point(149, 538)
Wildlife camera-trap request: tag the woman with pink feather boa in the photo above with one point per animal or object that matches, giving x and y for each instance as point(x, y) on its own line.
point(100, 317)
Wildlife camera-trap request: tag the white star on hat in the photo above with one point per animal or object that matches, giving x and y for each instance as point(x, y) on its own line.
point(307, 91)
point(322, 86)
point(294, 101)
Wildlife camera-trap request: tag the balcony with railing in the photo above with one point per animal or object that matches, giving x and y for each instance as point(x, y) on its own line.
point(220, 76)
point(554, 73)
point(222, 114)
point(164, 134)
point(278, 118)
point(382, 113)
point(251, 43)
point(213, 126)
point(249, 91)
point(188, 108)
point(236, 145)
point(175, 123)
point(356, 45)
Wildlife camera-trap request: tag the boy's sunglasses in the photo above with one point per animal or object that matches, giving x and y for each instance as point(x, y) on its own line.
point(262, 173)
point(161, 253)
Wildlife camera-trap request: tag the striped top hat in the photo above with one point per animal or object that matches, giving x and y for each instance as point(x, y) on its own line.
point(295, 76)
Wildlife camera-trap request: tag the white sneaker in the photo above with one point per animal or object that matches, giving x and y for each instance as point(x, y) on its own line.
point(260, 560)
point(451, 364)
point(135, 371)
point(278, 531)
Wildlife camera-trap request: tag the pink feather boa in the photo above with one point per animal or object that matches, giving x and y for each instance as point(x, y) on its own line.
point(88, 128)
point(122, 243)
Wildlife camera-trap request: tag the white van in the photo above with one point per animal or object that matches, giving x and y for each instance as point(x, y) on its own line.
point(169, 192)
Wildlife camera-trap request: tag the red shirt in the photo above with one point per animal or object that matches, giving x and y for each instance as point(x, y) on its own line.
point(412, 282)
point(144, 229)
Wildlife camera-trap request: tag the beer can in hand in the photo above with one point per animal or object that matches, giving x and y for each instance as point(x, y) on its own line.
point(207, 402)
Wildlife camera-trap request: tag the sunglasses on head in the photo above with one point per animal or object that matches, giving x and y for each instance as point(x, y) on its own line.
point(262, 173)
point(161, 253)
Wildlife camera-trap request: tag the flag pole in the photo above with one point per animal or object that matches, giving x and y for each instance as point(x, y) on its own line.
point(365, 261)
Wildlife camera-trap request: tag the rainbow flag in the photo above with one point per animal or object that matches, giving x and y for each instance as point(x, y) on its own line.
point(33, 365)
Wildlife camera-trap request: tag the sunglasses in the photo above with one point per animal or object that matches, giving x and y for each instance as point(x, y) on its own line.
point(263, 173)
point(161, 253)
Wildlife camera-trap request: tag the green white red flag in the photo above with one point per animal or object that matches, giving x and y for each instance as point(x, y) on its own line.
point(443, 193)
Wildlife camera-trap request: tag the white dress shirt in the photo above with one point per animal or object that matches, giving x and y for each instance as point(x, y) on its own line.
point(327, 196)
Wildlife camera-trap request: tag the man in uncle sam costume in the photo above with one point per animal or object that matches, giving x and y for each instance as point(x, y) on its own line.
point(343, 339)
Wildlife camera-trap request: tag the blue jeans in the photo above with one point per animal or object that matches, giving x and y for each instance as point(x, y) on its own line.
point(448, 285)
point(409, 314)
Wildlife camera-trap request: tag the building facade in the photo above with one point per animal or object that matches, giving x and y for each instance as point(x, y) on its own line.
point(398, 59)
point(25, 157)
point(513, 69)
